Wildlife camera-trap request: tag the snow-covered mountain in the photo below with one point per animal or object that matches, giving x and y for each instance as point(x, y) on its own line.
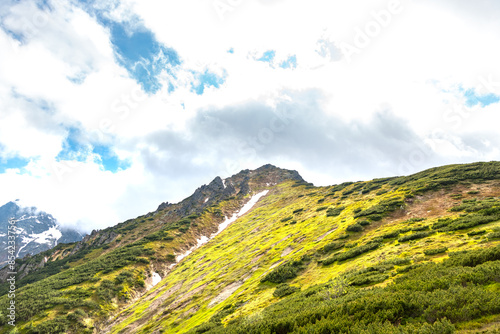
point(36, 231)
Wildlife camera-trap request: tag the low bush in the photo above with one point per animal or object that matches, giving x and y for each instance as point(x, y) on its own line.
point(284, 289)
point(435, 251)
point(332, 246)
point(392, 234)
point(414, 236)
point(420, 228)
point(354, 228)
point(351, 253)
point(368, 278)
point(494, 235)
point(383, 207)
point(334, 212)
point(474, 233)
point(285, 271)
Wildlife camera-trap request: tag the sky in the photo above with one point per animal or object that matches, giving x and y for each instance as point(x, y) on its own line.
point(109, 108)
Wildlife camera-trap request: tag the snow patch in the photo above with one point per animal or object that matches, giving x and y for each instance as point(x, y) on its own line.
point(199, 242)
point(224, 183)
point(206, 200)
point(156, 278)
point(203, 239)
point(25, 217)
point(180, 257)
point(47, 236)
point(21, 248)
point(255, 198)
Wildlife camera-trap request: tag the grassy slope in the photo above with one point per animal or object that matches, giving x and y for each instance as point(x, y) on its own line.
point(222, 280)
point(224, 277)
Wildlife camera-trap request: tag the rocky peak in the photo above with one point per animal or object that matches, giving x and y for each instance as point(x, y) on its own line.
point(265, 176)
point(219, 189)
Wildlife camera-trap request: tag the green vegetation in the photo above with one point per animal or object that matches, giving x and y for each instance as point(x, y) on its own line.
point(435, 251)
point(385, 206)
point(332, 246)
point(354, 228)
point(431, 298)
point(353, 252)
point(334, 212)
point(414, 236)
point(285, 271)
point(392, 234)
point(494, 235)
point(362, 266)
point(476, 213)
point(284, 289)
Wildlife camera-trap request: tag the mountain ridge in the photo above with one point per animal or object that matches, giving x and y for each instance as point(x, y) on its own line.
point(202, 197)
point(295, 243)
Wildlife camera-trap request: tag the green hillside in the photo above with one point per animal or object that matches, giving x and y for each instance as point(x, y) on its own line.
point(414, 254)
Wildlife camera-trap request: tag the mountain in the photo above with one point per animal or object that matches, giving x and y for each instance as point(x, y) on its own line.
point(36, 231)
point(263, 251)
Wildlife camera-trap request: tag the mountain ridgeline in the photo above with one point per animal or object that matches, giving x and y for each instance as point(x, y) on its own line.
point(263, 251)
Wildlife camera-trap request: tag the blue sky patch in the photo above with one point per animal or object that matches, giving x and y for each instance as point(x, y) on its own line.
point(291, 62)
point(205, 80)
point(142, 56)
point(473, 99)
point(136, 48)
point(15, 162)
point(74, 149)
point(268, 56)
point(109, 159)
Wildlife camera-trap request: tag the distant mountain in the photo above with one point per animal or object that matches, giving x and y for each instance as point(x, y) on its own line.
point(36, 231)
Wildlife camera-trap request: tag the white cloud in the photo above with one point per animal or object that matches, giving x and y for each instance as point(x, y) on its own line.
point(65, 74)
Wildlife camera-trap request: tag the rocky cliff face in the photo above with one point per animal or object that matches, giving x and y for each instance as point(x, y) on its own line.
point(238, 184)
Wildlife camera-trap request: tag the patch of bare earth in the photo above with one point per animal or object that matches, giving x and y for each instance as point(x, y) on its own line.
point(324, 235)
point(437, 203)
point(158, 306)
point(286, 251)
point(258, 257)
point(277, 242)
point(225, 293)
point(152, 310)
point(182, 300)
